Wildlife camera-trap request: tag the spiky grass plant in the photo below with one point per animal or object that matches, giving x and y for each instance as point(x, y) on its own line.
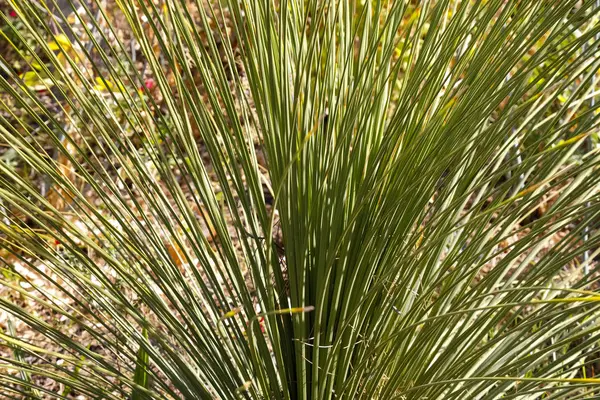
point(303, 199)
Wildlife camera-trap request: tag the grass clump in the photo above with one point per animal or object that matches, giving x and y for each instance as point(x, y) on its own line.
point(300, 199)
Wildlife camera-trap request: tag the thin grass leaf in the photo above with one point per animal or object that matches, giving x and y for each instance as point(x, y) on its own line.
point(140, 377)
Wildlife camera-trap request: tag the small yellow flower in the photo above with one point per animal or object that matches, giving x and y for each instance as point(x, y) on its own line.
point(103, 85)
point(33, 80)
point(232, 313)
point(60, 41)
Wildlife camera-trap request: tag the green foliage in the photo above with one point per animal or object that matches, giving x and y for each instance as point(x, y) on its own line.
point(140, 377)
point(405, 147)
